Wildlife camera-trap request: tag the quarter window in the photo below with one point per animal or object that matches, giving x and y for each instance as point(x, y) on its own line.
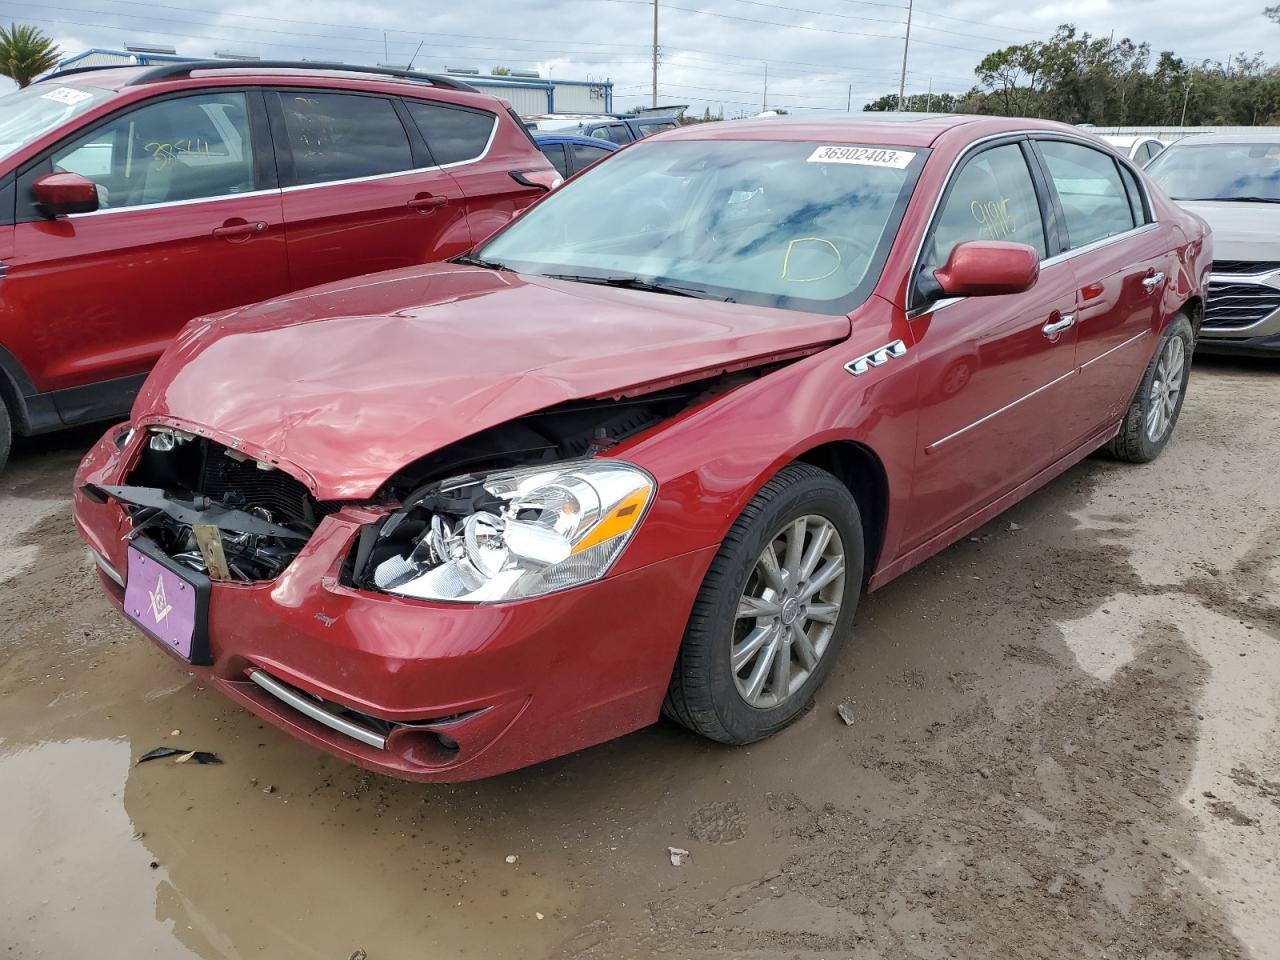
point(1093, 197)
point(555, 153)
point(453, 135)
point(992, 198)
point(339, 136)
point(186, 148)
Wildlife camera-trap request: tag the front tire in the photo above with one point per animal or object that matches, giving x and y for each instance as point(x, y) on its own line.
point(775, 608)
point(1152, 415)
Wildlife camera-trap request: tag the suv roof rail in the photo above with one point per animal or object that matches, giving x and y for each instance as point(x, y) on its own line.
point(169, 71)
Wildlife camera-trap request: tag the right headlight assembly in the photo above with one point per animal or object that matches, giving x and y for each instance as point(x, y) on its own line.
point(512, 534)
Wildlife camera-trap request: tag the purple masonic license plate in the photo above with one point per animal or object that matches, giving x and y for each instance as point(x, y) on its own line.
point(162, 602)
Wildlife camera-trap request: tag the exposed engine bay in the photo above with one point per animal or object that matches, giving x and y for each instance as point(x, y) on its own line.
point(516, 508)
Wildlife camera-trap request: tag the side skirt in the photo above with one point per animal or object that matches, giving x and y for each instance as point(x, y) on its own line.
point(998, 506)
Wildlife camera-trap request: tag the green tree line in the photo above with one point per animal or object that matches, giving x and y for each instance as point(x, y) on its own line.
point(1079, 78)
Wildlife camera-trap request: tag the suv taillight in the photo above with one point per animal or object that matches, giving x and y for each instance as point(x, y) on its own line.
point(547, 179)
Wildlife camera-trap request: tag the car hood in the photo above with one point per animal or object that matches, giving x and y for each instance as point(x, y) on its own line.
point(1241, 231)
point(349, 382)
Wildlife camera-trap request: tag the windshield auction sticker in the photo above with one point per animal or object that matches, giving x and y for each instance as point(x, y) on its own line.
point(863, 156)
point(67, 95)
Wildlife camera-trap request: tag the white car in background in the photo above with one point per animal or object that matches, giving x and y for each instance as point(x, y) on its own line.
point(1139, 149)
point(1233, 182)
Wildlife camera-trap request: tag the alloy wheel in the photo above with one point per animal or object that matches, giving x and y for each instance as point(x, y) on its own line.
point(788, 610)
point(1166, 387)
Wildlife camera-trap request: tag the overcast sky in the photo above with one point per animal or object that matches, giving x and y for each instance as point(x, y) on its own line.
point(713, 52)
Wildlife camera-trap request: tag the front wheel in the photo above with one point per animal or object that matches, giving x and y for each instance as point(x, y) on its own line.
point(6, 433)
point(774, 610)
point(1151, 417)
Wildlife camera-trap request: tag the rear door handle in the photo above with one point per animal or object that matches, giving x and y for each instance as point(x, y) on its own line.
point(427, 202)
point(1153, 281)
point(1055, 327)
point(242, 229)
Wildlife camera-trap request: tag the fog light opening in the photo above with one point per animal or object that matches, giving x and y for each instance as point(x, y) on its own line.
point(447, 742)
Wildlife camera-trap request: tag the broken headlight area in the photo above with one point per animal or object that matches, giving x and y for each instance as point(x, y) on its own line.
point(507, 535)
point(214, 509)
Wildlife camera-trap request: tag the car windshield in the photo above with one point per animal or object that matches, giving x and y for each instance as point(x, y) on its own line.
point(801, 226)
point(35, 110)
point(1219, 171)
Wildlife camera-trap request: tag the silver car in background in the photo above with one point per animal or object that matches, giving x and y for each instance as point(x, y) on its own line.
point(1233, 182)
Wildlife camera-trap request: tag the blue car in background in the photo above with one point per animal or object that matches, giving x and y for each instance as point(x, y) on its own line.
point(570, 152)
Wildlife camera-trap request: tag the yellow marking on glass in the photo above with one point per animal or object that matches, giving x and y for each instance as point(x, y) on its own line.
point(786, 259)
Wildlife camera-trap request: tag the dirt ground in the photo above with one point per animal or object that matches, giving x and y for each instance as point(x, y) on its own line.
point(1065, 743)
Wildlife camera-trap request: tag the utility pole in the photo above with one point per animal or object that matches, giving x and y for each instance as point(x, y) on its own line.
point(655, 54)
point(902, 81)
point(386, 57)
point(848, 107)
point(1186, 95)
point(764, 102)
point(928, 103)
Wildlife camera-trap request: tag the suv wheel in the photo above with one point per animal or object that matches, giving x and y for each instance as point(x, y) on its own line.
point(1149, 423)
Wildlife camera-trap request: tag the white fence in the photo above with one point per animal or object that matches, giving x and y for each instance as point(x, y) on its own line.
point(1169, 134)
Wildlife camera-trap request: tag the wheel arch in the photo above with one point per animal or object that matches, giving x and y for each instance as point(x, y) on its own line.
point(860, 470)
point(1194, 309)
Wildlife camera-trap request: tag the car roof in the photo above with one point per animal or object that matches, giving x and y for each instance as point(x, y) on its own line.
point(905, 129)
point(1125, 139)
point(557, 137)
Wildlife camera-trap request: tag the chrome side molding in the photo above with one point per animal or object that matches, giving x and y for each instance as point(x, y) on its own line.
point(876, 358)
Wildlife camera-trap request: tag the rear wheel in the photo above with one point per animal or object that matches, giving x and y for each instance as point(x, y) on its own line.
point(6, 433)
point(775, 608)
point(1152, 415)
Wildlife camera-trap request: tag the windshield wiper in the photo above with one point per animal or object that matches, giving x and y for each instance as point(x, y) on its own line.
point(471, 261)
point(628, 282)
point(1230, 199)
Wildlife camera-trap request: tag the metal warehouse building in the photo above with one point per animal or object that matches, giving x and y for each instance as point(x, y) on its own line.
point(527, 93)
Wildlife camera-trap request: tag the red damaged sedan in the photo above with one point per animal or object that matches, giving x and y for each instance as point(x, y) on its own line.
point(643, 451)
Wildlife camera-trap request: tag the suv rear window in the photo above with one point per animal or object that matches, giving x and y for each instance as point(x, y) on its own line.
point(453, 134)
point(343, 136)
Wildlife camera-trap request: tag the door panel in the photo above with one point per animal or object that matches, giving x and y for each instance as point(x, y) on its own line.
point(358, 197)
point(104, 292)
point(991, 386)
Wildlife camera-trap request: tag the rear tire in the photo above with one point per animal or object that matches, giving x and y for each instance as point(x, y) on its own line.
point(1153, 414)
point(787, 579)
point(6, 433)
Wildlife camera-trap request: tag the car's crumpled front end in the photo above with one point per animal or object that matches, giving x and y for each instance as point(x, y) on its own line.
point(409, 530)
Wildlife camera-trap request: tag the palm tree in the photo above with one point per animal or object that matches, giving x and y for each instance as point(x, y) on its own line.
point(25, 53)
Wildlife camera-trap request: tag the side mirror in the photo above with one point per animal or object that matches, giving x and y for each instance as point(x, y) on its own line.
point(988, 268)
point(61, 193)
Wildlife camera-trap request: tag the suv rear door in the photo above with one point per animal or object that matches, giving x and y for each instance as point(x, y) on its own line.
point(361, 193)
point(487, 154)
point(189, 223)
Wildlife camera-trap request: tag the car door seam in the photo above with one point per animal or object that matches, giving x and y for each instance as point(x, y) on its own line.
point(1118, 346)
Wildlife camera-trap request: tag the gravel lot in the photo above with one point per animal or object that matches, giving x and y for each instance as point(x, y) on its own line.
point(1065, 743)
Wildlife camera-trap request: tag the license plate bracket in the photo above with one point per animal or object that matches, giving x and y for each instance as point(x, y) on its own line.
point(170, 603)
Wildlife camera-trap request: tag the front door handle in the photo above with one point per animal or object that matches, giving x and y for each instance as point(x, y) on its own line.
point(1055, 327)
point(237, 229)
point(1153, 281)
point(426, 201)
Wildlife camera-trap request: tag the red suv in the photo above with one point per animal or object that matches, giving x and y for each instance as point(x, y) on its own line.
point(133, 199)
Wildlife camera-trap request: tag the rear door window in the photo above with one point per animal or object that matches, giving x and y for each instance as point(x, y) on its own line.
point(184, 148)
point(584, 155)
point(453, 134)
point(992, 198)
point(341, 136)
point(616, 132)
point(1094, 200)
